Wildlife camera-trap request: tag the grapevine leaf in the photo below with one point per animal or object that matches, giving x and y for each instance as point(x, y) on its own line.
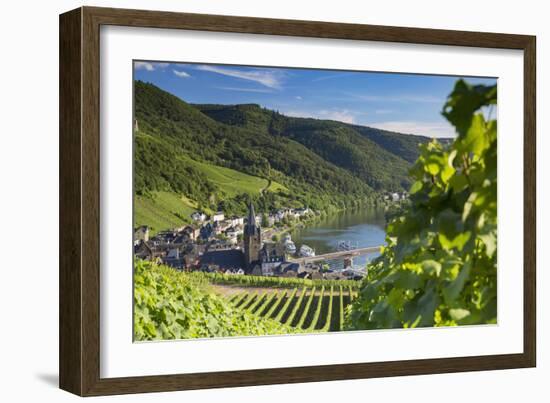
point(458, 313)
point(452, 291)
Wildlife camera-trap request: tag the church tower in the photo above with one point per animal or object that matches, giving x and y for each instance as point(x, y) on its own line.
point(252, 239)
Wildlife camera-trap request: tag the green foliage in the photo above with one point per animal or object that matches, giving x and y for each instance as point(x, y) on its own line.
point(274, 282)
point(198, 151)
point(305, 312)
point(317, 312)
point(402, 145)
point(310, 310)
point(172, 305)
point(365, 152)
point(342, 316)
point(343, 146)
point(231, 183)
point(161, 210)
point(158, 167)
point(297, 306)
point(328, 317)
point(285, 307)
point(439, 265)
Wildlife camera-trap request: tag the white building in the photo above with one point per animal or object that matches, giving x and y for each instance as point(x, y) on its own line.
point(198, 216)
point(219, 216)
point(302, 211)
point(235, 221)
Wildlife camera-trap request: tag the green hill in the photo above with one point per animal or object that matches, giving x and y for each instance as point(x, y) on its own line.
point(379, 157)
point(233, 183)
point(219, 156)
point(162, 210)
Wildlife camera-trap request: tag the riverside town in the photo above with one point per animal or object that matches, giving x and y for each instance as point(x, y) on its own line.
point(281, 201)
point(256, 244)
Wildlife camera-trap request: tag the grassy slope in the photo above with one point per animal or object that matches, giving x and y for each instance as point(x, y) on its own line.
point(159, 211)
point(233, 182)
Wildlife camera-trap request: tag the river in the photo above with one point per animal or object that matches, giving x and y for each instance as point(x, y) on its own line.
point(358, 228)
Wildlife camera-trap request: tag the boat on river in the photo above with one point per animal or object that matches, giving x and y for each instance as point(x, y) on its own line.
point(306, 251)
point(290, 247)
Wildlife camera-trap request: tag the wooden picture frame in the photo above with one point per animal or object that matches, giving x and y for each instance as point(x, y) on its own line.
point(79, 280)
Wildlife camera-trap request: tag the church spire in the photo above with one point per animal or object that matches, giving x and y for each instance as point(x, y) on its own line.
point(252, 239)
point(251, 216)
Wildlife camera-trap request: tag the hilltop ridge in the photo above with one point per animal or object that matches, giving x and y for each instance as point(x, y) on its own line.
point(324, 164)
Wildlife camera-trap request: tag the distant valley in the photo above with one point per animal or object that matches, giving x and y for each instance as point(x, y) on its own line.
point(192, 157)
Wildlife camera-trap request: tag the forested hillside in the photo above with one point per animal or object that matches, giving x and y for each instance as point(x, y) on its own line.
point(217, 156)
point(378, 157)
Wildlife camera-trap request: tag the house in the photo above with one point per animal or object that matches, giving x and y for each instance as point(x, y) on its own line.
point(232, 234)
point(198, 216)
point(206, 231)
point(279, 215)
point(272, 255)
point(166, 237)
point(192, 231)
point(181, 239)
point(302, 211)
point(217, 227)
point(236, 221)
point(284, 268)
point(141, 233)
point(292, 214)
point(223, 259)
point(224, 224)
point(219, 216)
point(146, 250)
point(174, 259)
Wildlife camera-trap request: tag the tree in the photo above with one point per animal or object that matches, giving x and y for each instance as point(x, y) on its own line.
point(439, 265)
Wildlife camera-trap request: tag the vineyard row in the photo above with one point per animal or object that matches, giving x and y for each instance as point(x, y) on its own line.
point(311, 309)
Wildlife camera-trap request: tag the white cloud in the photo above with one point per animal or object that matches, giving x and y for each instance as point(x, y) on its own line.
point(399, 98)
point(242, 89)
point(331, 76)
point(298, 97)
point(149, 66)
point(268, 78)
point(181, 73)
point(342, 116)
point(383, 111)
point(429, 129)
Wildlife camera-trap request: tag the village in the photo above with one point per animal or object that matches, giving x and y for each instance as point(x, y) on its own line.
point(258, 244)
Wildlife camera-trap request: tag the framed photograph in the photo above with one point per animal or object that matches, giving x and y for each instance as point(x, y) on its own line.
point(249, 201)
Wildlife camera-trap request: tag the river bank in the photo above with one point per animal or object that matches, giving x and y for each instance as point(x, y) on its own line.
point(358, 228)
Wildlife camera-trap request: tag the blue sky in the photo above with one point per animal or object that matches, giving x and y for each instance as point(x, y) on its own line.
point(406, 103)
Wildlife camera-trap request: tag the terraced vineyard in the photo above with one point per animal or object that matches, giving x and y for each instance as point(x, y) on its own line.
point(309, 309)
point(275, 282)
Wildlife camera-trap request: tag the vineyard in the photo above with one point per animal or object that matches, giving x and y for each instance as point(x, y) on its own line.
point(306, 309)
point(274, 282)
point(173, 305)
